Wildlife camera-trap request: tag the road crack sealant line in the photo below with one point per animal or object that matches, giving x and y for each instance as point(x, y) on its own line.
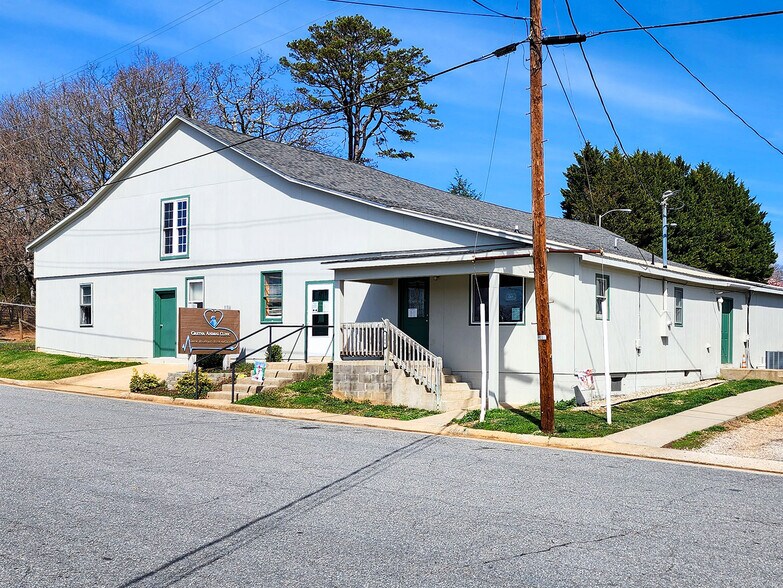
point(596, 445)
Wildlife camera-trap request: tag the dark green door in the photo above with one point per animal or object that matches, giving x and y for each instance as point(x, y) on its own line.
point(415, 309)
point(164, 338)
point(726, 330)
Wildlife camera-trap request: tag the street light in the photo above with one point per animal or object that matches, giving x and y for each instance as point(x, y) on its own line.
point(601, 216)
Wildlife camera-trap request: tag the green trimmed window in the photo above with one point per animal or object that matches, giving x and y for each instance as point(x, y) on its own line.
point(174, 227)
point(601, 292)
point(679, 314)
point(272, 297)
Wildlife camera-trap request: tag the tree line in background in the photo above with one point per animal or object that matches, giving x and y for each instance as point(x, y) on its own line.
point(60, 141)
point(719, 226)
point(356, 90)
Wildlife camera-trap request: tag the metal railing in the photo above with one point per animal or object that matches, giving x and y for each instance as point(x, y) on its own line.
point(384, 340)
point(242, 356)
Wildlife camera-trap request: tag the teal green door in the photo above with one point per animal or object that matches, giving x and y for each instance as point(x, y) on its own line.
point(414, 318)
point(164, 338)
point(726, 330)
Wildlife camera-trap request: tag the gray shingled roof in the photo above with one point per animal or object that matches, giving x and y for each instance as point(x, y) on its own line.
point(391, 191)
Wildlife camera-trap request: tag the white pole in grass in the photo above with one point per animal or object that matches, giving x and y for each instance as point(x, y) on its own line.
point(484, 399)
point(607, 375)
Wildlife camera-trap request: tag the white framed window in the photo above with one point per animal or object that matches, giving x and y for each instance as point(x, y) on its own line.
point(174, 227)
point(85, 305)
point(601, 292)
point(194, 292)
point(679, 314)
point(511, 298)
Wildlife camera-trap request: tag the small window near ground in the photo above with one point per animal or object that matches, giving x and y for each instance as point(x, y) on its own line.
point(85, 305)
point(511, 298)
point(271, 296)
point(678, 307)
point(195, 292)
point(174, 227)
point(601, 292)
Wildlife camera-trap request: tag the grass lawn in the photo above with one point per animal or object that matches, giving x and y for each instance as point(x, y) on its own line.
point(592, 423)
point(20, 361)
point(698, 439)
point(316, 393)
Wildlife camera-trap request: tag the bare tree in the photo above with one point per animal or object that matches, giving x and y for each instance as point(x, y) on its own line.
point(246, 99)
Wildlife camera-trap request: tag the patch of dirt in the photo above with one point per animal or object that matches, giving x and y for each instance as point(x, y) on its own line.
point(758, 439)
point(12, 333)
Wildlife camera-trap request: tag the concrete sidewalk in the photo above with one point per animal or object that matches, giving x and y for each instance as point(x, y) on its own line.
point(119, 379)
point(663, 431)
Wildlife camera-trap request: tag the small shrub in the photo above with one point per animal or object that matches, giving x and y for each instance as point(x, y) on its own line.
point(186, 385)
point(565, 404)
point(274, 353)
point(243, 368)
point(146, 382)
point(214, 363)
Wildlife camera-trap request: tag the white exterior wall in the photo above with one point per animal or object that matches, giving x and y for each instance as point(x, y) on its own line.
point(243, 220)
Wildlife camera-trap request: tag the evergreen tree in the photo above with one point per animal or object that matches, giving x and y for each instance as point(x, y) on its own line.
point(461, 186)
point(720, 226)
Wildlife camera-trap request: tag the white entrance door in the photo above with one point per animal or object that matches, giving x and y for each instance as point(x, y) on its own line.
point(319, 319)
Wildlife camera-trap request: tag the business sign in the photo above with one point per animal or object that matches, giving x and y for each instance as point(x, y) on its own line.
point(204, 331)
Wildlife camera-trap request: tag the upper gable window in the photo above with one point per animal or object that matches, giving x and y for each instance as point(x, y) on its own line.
point(174, 227)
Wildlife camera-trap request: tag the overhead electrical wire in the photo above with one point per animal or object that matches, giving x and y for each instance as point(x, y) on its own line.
point(418, 9)
point(626, 158)
point(139, 40)
point(688, 23)
point(500, 52)
point(144, 94)
point(700, 82)
point(503, 14)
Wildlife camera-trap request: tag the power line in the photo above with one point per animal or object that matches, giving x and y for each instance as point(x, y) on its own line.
point(688, 23)
point(626, 158)
point(142, 39)
point(578, 126)
point(144, 94)
point(500, 52)
point(418, 9)
point(502, 14)
point(700, 82)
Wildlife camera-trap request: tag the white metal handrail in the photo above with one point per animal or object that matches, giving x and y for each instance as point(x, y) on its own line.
point(383, 339)
point(414, 359)
point(363, 339)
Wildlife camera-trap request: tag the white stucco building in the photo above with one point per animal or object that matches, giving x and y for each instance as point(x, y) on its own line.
point(204, 216)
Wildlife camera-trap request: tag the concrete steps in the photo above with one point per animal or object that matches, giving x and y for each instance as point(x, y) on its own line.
point(278, 374)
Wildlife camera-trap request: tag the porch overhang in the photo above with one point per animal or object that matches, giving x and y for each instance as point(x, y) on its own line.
point(384, 267)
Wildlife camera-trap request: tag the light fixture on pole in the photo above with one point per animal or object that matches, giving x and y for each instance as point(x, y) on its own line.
point(601, 216)
point(666, 224)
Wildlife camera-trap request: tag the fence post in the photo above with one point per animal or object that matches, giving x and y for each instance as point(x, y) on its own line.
point(21, 329)
point(386, 336)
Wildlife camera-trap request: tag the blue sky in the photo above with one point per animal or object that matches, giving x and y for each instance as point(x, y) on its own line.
point(654, 104)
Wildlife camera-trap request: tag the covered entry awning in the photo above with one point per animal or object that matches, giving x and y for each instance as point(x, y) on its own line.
point(438, 262)
point(409, 268)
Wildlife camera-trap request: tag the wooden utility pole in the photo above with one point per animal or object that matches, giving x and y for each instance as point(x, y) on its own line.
point(545, 374)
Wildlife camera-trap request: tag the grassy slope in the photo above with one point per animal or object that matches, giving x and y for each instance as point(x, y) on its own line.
point(581, 423)
point(317, 393)
point(20, 361)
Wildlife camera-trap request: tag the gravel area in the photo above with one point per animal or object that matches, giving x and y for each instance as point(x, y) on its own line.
point(760, 439)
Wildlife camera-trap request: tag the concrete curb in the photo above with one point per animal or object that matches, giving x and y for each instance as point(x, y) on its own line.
point(431, 426)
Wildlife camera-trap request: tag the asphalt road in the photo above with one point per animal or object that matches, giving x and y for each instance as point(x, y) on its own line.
point(98, 492)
